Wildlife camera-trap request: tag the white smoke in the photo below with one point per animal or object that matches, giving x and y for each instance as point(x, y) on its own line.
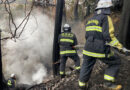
point(30, 56)
point(38, 76)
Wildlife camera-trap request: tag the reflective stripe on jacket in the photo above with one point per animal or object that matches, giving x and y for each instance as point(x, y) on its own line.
point(11, 83)
point(66, 41)
point(99, 30)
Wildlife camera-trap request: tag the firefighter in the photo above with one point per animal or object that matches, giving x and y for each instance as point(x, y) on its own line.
point(99, 32)
point(67, 41)
point(12, 82)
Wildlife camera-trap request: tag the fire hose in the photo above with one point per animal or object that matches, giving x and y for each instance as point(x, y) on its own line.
point(126, 50)
point(126, 53)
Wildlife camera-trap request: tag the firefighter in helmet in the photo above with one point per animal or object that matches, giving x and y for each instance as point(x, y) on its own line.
point(99, 32)
point(67, 41)
point(12, 81)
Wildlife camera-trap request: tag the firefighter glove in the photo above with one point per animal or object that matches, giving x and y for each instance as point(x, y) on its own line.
point(125, 51)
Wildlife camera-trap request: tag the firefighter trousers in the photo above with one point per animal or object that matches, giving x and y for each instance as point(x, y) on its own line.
point(75, 58)
point(110, 72)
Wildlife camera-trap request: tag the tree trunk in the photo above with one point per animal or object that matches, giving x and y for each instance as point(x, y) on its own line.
point(57, 31)
point(1, 73)
point(124, 33)
point(54, 8)
point(76, 10)
point(87, 12)
point(64, 13)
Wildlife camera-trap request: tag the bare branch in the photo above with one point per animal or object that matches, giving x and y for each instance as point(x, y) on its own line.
point(25, 7)
point(10, 12)
point(6, 38)
point(11, 20)
point(27, 17)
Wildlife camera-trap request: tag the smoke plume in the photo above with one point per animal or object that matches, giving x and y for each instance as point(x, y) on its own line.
point(30, 56)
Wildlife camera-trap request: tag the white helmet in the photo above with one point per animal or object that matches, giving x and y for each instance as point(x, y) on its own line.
point(12, 75)
point(104, 4)
point(67, 27)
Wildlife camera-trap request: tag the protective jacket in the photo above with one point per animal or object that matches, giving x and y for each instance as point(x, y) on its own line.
point(67, 41)
point(11, 83)
point(99, 31)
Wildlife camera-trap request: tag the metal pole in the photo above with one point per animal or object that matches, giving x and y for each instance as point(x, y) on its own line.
point(57, 31)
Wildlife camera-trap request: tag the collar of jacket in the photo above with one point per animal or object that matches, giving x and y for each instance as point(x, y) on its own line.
point(106, 11)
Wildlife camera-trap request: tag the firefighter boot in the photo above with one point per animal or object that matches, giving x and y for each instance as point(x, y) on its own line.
point(112, 86)
point(84, 87)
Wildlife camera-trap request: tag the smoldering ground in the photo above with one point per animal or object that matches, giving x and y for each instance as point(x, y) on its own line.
point(30, 56)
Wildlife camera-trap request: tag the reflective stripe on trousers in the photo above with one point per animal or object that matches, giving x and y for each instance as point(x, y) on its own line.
point(109, 78)
point(82, 84)
point(67, 51)
point(62, 73)
point(77, 67)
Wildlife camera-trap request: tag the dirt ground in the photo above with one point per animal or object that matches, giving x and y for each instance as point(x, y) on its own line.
point(70, 82)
